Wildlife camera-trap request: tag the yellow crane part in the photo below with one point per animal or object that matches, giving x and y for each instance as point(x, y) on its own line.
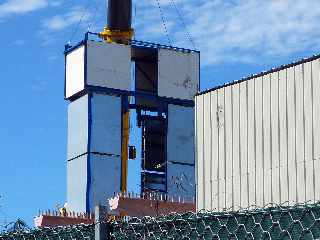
point(116, 36)
point(125, 145)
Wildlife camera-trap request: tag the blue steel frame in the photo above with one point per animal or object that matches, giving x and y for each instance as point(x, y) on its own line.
point(134, 43)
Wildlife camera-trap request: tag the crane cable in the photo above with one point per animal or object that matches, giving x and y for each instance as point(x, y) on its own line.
point(164, 23)
point(85, 11)
point(188, 35)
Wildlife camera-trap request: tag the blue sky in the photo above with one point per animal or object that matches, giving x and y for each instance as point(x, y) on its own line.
point(237, 38)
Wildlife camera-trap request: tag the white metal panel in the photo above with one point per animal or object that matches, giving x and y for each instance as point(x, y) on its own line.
point(180, 181)
point(74, 71)
point(180, 136)
point(106, 124)
point(267, 157)
point(275, 162)
point(258, 140)
point(178, 74)
point(300, 147)
point(283, 137)
point(77, 184)
point(214, 148)
point(316, 125)
point(236, 154)
point(308, 153)
point(292, 166)
point(221, 149)
point(251, 143)
point(77, 127)
point(200, 152)
point(105, 178)
point(207, 164)
point(243, 145)
point(228, 148)
point(109, 65)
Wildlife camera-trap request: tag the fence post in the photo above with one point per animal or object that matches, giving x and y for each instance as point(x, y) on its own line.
point(101, 225)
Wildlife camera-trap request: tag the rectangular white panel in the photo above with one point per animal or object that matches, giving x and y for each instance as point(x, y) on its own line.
point(221, 149)
point(236, 154)
point(74, 71)
point(292, 163)
point(109, 65)
point(105, 178)
point(214, 148)
point(308, 152)
point(283, 137)
point(199, 153)
point(267, 157)
point(258, 124)
point(106, 124)
point(78, 127)
point(180, 136)
point(251, 143)
point(243, 145)
point(77, 184)
point(228, 147)
point(275, 163)
point(180, 180)
point(316, 125)
point(300, 146)
point(207, 152)
point(178, 74)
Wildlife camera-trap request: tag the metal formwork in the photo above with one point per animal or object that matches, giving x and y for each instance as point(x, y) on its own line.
point(258, 140)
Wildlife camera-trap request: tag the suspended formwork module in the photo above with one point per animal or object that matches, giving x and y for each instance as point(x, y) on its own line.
point(258, 140)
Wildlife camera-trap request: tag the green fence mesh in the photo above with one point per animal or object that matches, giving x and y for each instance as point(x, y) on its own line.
point(297, 222)
point(64, 233)
point(281, 222)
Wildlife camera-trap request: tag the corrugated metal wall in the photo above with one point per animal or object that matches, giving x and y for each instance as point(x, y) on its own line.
point(258, 141)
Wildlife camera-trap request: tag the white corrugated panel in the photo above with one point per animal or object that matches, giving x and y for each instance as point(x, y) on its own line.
point(267, 157)
point(292, 164)
point(316, 125)
point(109, 65)
point(300, 147)
point(236, 154)
point(251, 143)
point(214, 148)
point(200, 153)
point(75, 72)
point(207, 152)
point(228, 148)
point(243, 145)
point(262, 145)
point(283, 137)
point(221, 149)
point(308, 153)
point(178, 74)
point(275, 163)
point(258, 140)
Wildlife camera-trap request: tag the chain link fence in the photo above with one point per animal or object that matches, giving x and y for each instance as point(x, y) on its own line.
point(276, 222)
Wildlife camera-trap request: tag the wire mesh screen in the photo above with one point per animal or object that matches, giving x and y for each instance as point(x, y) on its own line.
point(280, 222)
point(66, 233)
point(298, 222)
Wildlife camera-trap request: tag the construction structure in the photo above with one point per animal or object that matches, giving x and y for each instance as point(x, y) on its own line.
point(258, 139)
point(109, 77)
